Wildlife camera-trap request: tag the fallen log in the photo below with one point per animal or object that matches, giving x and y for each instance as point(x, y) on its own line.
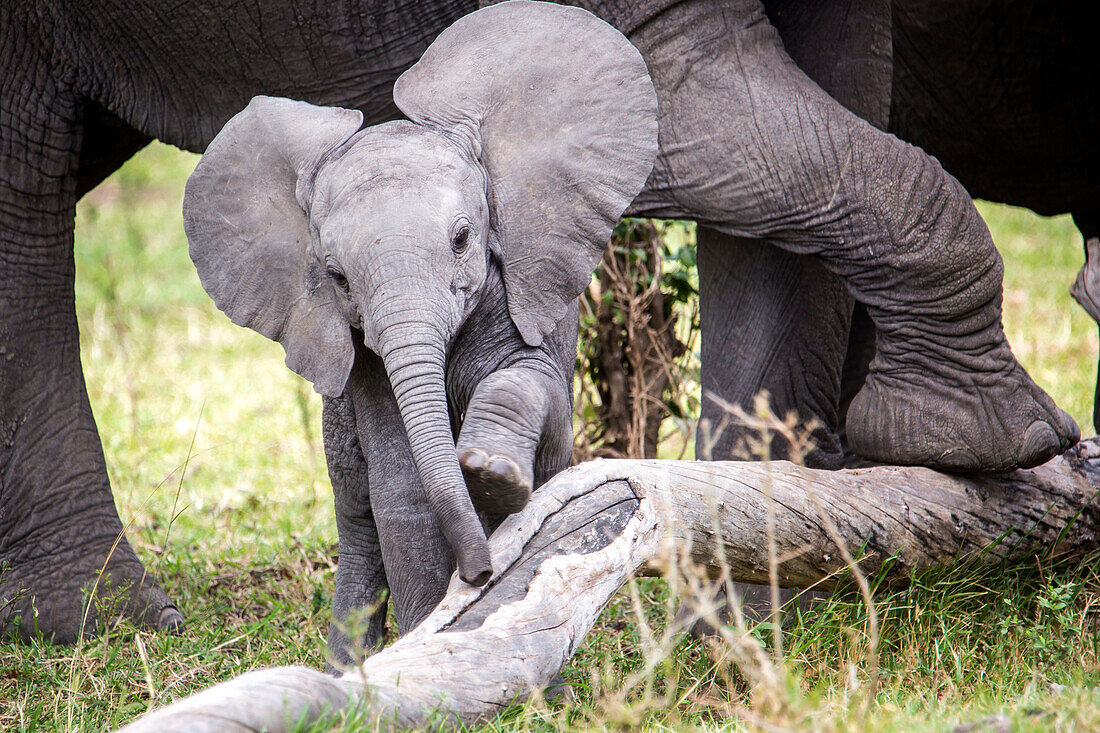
point(592, 528)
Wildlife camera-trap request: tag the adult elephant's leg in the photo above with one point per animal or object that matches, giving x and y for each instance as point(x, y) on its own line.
point(418, 560)
point(1086, 288)
point(751, 146)
point(845, 47)
point(857, 364)
point(360, 574)
point(775, 321)
point(58, 522)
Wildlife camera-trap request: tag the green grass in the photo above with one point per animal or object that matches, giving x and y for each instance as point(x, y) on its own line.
point(216, 459)
point(1052, 336)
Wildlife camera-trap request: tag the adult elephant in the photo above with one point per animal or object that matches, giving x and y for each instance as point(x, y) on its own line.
point(750, 146)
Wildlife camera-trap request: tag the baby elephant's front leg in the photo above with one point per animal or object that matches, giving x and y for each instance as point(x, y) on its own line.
point(516, 434)
point(514, 401)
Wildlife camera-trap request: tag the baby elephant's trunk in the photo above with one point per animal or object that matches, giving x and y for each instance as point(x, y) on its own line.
point(415, 369)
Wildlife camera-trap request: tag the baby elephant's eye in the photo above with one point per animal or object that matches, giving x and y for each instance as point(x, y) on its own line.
point(337, 277)
point(461, 240)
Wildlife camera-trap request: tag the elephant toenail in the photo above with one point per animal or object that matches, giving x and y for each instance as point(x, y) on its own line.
point(170, 620)
point(472, 458)
point(1040, 444)
point(1070, 430)
point(505, 468)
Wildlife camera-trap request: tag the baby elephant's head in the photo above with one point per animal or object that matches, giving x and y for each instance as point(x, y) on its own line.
point(402, 234)
point(531, 128)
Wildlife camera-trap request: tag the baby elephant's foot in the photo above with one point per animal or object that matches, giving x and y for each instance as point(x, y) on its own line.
point(957, 419)
point(498, 484)
point(513, 415)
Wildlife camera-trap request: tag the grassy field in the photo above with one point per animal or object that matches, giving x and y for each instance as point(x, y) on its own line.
point(216, 459)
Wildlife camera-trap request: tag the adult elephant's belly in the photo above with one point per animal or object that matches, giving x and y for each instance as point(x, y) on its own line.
point(1007, 98)
point(339, 54)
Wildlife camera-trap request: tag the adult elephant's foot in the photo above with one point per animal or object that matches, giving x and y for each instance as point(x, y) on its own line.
point(515, 434)
point(958, 419)
point(58, 523)
point(60, 595)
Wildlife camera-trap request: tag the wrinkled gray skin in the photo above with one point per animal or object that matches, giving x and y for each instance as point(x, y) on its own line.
point(1013, 117)
point(403, 267)
point(751, 148)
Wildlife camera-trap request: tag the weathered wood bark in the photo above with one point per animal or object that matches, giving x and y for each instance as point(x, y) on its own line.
point(593, 527)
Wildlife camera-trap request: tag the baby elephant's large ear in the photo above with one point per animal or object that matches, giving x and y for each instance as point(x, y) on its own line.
point(249, 231)
point(560, 107)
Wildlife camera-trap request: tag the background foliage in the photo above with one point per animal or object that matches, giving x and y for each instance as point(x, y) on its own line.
point(637, 357)
point(214, 451)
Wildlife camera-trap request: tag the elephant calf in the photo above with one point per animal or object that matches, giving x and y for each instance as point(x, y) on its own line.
point(422, 269)
point(511, 408)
